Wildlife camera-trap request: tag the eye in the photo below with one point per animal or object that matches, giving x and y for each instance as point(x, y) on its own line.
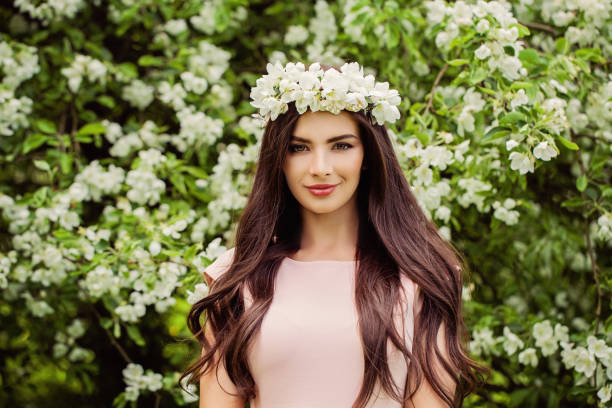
point(344, 146)
point(297, 148)
point(294, 148)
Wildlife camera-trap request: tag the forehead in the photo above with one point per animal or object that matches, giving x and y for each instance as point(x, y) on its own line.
point(323, 124)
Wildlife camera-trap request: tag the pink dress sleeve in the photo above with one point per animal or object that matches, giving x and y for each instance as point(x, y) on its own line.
point(221, 264)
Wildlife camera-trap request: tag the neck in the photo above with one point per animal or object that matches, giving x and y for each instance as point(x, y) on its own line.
point(330, 235)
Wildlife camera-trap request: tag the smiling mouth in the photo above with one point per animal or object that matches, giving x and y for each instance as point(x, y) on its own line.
point(322, 191)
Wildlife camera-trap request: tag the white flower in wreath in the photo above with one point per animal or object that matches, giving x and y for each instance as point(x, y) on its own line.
point(385, 112)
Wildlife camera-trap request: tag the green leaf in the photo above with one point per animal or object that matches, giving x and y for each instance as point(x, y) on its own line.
point(529, 56)
point(597, 163)
point(523, 31)
point(488, 91)
point(107, 101)
point(128, 70)
point(275, 8)
point(39, 198)
point(190, 253)
point(456, 224)
point(562, 45)
point(461, 78)
point(567, 143)
point(33, 141)
point(495, 133)
point(520, 85)
point(591, 54)
point(606, 192)
point(519, 396)
point(392, 35)
point(360, 19)
point(573, 202)
point(150, 60)
point(46, 126)
point(477, 76)
point(522, 182)
point(423, 138)
point(135, 335)
point(106, 322)
point(222, 18)
point(83, 138)
point(512, 117)
point(92, 129)
point(42, 165)
point(532, 92)
point(458, 62)
point(178, 180)
point(65, 163)
point(117, 329)
point(63, 235)
point(194, 171)
point(581, 183)
point(120, 401)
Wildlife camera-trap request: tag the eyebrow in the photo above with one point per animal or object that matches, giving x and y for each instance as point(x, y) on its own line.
point(330, 140)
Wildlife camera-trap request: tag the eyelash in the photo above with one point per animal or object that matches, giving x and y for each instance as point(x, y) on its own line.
point(291, 147)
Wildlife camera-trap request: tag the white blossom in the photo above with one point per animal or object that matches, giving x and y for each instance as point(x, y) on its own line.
point(519, 99)
point(511, 342)
point(436, 11)
point(521, 162)
point(138, 94)
point(482, 52)
point(137, 380)
point(145, 186)
point(194, 83)
point(483, 341)
point(544, 151)
point(511, 144)
point(154, 248)
point(604, 227)
point(605, 393)
point(201, 290)
point(482, 26)
point(528, 357)
point(175, 27)
point(296, 35)
point(84, 66)
point(443, 213)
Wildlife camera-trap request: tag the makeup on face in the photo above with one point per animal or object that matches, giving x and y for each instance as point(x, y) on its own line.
point(323, 161)
point(322, 189)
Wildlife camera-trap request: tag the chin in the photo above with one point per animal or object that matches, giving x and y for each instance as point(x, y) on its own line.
point(322, 208)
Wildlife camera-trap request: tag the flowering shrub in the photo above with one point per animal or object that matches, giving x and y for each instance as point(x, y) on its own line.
point(128, 149)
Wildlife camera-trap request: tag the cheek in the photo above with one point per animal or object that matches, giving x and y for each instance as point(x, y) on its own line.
point(291, 170)
point(352, 165)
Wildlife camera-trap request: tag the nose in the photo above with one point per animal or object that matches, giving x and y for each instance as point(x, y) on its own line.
point(320, 163)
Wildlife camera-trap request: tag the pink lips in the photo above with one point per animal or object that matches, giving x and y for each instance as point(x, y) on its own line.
point(321, 189)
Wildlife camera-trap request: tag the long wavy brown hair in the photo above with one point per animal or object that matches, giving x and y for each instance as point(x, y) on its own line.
point(394, 237)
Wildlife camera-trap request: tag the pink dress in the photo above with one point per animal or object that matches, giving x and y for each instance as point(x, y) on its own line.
point(308, 352)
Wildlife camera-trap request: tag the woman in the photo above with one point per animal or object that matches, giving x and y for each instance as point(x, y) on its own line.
point(339, 291)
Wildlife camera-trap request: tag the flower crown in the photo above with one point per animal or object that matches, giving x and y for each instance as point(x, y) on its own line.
point(328, 90)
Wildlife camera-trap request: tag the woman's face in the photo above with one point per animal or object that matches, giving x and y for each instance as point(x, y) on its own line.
point(324, 149)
